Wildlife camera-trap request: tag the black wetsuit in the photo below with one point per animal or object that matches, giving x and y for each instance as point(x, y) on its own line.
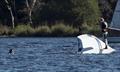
point(104, 27)
point(10, 51)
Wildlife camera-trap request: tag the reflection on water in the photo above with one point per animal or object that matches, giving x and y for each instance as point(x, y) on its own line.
point(53, 55)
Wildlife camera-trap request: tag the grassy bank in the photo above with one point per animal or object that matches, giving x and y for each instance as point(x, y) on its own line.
point(5, 31)
point(58, 30)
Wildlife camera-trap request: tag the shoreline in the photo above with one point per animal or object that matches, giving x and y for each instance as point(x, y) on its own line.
point(14, 36)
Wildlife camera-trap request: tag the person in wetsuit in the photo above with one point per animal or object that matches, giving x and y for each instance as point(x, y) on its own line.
point(104, 29)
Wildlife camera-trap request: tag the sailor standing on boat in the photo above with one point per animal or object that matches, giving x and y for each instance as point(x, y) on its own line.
point(104, 29)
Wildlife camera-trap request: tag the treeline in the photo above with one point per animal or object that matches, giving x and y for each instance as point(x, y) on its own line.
point(53, 17)
point(107, 8)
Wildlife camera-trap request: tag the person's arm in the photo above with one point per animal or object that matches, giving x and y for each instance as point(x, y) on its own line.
point(106, 28)
point(106, 24)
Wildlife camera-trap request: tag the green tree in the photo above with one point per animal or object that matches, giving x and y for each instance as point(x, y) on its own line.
point(87, 14)
point(107, 8)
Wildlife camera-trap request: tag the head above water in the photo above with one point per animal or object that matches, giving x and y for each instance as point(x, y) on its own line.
point(102, 19)
point(11, 51)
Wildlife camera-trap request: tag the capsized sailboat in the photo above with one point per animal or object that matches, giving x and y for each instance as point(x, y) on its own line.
point(89, 44)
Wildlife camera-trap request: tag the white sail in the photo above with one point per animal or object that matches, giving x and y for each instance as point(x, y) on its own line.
point(115, 23)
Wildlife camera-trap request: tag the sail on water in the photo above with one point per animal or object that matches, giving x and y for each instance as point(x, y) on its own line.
point(115, 23)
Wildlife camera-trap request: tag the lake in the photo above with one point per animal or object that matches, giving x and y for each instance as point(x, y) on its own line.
point(54, 55)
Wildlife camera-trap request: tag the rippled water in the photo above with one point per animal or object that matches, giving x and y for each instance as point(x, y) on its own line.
point(53, 55)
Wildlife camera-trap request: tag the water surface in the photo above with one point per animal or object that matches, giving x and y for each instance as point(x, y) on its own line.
point(53, 55)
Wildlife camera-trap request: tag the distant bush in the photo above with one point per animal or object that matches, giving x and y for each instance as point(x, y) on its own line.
point(42, 31)
point(59, 30)
point(23, 30)
point(5, 30)
point(63, 30)
point(55, 30)
point(91, 29)
point(71, 31)
point(95, 31)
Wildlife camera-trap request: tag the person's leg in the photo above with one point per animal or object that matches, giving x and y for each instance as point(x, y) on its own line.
point(105, 40)
point(104, 37)
point(79, 48)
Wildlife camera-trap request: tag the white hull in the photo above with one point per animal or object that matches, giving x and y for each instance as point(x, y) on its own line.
point(93, 45)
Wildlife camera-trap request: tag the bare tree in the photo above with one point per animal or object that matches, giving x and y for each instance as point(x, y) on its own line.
point(11, 13)
point(30, 6)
